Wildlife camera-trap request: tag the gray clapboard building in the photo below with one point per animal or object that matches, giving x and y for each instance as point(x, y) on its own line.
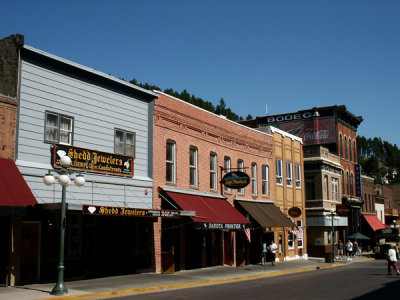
point(64, 103)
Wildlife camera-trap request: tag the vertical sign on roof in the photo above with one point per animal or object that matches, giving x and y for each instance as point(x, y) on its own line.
point(358, 181)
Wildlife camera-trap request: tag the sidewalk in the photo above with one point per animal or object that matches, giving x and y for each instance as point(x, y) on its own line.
point(148, 282)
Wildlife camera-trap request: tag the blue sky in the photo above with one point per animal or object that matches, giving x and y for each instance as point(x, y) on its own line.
point(289, 55)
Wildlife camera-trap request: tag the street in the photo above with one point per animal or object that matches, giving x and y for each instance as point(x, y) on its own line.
point(366, 280)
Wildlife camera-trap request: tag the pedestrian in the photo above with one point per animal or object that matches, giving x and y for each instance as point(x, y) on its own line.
point(340, 250)
point(392, 260)
point(264, 256)
point(349, 249)
point(272, 248)
point(355, 246)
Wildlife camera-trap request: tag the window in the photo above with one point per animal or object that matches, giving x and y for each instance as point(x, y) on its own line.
point(171, 162)
point(354, 152)
point(343, 183)
point(193, 166)
point(335, 189)
point(253, 179)
point(298, 176)
point(240, 165)
point(265, 180)
point(348, 183)
point(289, 173)
point(300, 235)
point(326, 195)
point(227, 167)
point(58, 128)
point(345, 147)
point(350, 152)
point(279, 178)
point(341, 146)
point(310, 188)
point(124, 142)
point(290, 240)
point(213, 171)
point(351, 184)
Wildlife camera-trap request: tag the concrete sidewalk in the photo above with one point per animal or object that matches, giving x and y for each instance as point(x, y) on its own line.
point(139, 283)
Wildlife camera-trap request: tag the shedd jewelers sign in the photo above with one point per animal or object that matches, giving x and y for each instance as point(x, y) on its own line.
point(93, 161)
point(97, 210)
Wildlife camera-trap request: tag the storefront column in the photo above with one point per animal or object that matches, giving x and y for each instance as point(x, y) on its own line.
point(14, 258)
point(157, 245)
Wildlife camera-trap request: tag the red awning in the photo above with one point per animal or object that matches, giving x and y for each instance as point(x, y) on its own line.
point(14, 192)
point(374, 222)
point(211, 213)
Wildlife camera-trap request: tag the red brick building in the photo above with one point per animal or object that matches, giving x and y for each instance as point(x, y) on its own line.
point(8, 121)
point(193, 150)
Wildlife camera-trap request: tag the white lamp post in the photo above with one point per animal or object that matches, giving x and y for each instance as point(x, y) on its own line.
point(332, 216)
point(64, 180)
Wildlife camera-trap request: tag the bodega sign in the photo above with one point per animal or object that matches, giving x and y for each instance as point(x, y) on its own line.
point(236, 180)
point(293, 117)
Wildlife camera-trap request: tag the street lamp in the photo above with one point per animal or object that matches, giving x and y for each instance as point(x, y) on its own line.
point(64, 180)
point(332, 216)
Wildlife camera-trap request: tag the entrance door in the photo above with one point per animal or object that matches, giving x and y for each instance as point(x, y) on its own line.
point(30, 241)
point(281, 246)
point(228, 249)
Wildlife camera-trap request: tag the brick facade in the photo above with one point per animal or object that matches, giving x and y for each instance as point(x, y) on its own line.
point(8, 121)
point(189, 126)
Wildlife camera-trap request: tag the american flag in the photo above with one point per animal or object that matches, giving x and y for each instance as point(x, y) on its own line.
point(297, 232)
point(248, 234)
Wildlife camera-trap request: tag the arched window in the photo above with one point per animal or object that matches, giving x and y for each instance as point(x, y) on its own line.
point(354, 152)
point(351, 184)
point(350, 153)
point(348, 183)
point(341, 145)
point(345, 147)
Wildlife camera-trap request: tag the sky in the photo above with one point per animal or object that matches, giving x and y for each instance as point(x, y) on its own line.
point(255, 54)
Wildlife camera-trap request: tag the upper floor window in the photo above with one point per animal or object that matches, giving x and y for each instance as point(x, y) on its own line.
point(193, 166)
point(227, 168)
point(343, 183)
point(253, 179)
point(240, 165)
point(345, 147)
point(298, 176)
point(265, 180)
point(310, 188)
point(289, 174)
point(58, 128)
point(213, 171)
point(348, 183)
point(124, 142)
point(335, 189)
point(341, 145)
point(171, 162)
point(279, 178)
point(351, 184)
point(350, 152)
point(354, 152)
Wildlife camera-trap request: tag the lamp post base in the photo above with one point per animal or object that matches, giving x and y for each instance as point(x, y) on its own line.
point(59, 289)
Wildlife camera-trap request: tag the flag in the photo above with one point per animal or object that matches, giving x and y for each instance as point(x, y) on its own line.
point(297, 232)
point(248, 234)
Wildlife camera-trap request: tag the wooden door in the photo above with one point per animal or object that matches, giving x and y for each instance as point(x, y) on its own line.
point(281, 246)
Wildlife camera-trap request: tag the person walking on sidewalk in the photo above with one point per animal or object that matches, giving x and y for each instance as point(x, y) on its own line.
point(340, 250)
point(392, 260)
point(349, 249)
point(272, 248)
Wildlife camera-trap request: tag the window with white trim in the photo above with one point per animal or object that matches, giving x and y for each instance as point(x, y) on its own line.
point(300, 235)
point(254, 179)
point(193, 166)
point(124, 142)
point(279, 178)
point(58, 128)
point(298, 175)
point(213, 171)
point(171, 162)
point(289, 174)
point(227, 167)
point(290, 240)
point(241, 168)
point(335, 189)
point(265, 180)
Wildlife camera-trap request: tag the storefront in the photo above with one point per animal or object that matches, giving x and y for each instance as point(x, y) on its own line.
point(207, 238)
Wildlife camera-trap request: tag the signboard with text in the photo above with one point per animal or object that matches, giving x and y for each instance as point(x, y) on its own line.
point(97, 210)
point(93, 161)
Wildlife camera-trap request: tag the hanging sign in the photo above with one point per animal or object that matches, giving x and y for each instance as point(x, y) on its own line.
point(236, 180)
point(93, 161)
point(294, 212)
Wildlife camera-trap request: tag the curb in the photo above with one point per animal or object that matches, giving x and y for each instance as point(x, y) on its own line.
point(197, 283)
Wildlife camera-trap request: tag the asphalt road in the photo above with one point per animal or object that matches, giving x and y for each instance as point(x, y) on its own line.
point(365, 280)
